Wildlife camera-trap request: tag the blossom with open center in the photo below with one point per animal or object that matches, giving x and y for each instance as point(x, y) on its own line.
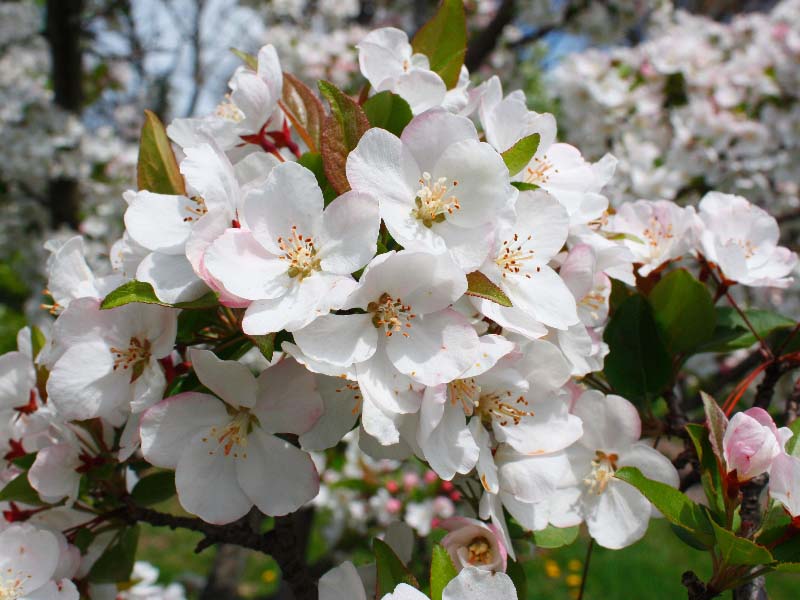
point(224, 449)
point(29, 564)
point(105, 362)
point(404, 336)
point(294, 260)
point(656, 232)
point(439, 188)
point(175, 231)
point(742, 240)
point(616, 513)
point(518, 264)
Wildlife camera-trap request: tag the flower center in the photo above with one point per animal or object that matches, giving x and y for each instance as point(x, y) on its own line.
point(513, 254)
point(594, 301)
point(537, 172)
point(466, 392)
point(391, 314)
point(228, 110)
point(433, 203)
point(301, 254)
point(11, 584)
point(480, 552)
point(135, 357)
point(232, 439)
point(657, 233)
point(603, 468)
point(747, 246)
point(196, 210)
point(503, 408)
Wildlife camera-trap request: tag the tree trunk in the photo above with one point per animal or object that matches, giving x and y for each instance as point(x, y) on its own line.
point(63, 30)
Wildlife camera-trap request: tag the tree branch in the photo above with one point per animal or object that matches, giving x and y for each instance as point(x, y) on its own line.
point(482, 45)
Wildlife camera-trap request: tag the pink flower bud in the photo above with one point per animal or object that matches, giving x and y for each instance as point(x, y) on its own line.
point(750, 443)
point(392, 487)
point(431, 477)
point(393, 505)
point(472, 543)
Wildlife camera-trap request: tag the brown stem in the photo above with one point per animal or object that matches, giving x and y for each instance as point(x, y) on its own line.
point(750, 512)
point(695, 588)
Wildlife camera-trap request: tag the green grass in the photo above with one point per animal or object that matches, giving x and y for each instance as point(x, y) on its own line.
point(649, 569)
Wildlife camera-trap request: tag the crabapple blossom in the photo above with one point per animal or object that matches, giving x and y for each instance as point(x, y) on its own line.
point(439, 187)
point(518, 264)
point(473, 543)
point(742, 240)
point(469, 584)
point(223, 447)
point(294, 261)
point(615, 512)
point(105, 362)
point(655, 232)
point(784, 482)
point(751, 442)
point(29, 559)
point(388, 62)
point(406, 336)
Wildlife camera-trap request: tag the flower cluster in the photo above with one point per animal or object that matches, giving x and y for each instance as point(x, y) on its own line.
point(698, 105)
point(441, 282)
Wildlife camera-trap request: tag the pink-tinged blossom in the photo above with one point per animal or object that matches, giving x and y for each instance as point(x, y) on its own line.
point(742, 240)
point(223, 447)
point(750, 444)
point(473, 543)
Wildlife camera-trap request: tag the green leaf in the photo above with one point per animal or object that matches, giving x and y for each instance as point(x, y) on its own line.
point(313, 162)
point(555, 537)
point(481, 286)
point(155, 488)
point(340, 134)
point(388, 111)
point(116, 563)
point(519, 578)
point(732, 333)
point(676, 507)
point(792, 447)
point(735, 550)
point(157, 170)
point(717, 422)
point(19, 490)
point(390, 569)
point(520, 154)
point(442, 571)
point(524, 187)
point(247, 58)
point(25, 462)
point(788, 567)
point(684, 310)
point(709, 470)
point(265, 343)
point(304, 110)
point(83, 538)
point(140, 291)
point(443, 40)
point(638, 364)
point(38, 341)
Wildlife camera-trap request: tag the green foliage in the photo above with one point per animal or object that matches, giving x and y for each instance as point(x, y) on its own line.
point(676, 507)
point(443, 40)
point(140, 291)
point(638, 365)
point(524, 187)
point(157, 170)
point(154, 488)
point(442, 571)
point(265, 343)
point(480, 286)
point(735, 550)
point(304, 110)
point(19, 490)
point(341, 132)
point(555, 537)
point(388, 111)
point(116, 563)
point(732, 333)
point(520, 154)
point(313, 162)
point(684, 311)
point(390, 569)
point(518, 576)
